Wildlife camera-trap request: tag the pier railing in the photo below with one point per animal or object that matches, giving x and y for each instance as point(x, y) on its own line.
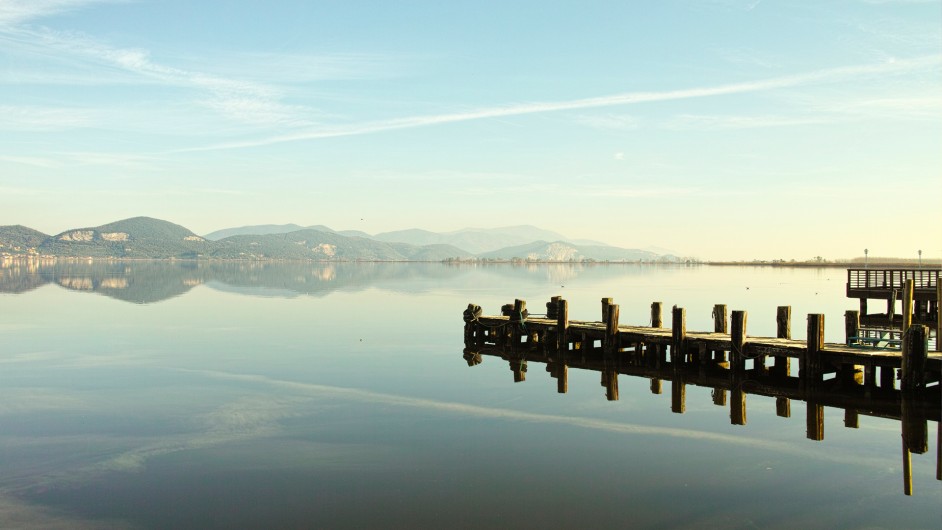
point(887, 279)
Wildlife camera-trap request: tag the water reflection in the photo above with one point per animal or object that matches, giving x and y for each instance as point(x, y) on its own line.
point(730, 388)
point(144, 282)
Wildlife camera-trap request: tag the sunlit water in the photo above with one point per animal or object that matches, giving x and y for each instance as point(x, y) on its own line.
point(300, 395)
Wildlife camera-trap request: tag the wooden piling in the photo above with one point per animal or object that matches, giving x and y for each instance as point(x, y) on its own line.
point(810, 369)
point(914, 423)
point(562, 326)
point(783, 330)
point(678, 397)
point(783, 407)
point(562, 379)
point(851, 419)
point(783, 322)
point(678, 334)
point(516, 321)
point(908, 288)
point(815, 421)
point(851, 327)
point(656, 386)
point(737, 407)
point(720, 323)
point(611, 343)
point(552, 307)
point(605, 303)
point(915, 351)
point(610, 382)
point(656, 321)
point(719, 397)
point(738, 340)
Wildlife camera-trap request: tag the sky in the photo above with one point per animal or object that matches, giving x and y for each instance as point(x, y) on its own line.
point(720, 129)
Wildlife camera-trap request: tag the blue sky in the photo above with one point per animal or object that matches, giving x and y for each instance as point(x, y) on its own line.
point(719, 128)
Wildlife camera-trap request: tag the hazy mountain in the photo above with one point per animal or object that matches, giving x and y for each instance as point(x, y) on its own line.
point(563, 251)
point(148, 238)
point(138, 237)
point(252, 230)
point(18, 239)
point(478, 240)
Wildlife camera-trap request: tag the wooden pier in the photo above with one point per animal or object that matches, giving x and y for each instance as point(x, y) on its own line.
point(902, 384)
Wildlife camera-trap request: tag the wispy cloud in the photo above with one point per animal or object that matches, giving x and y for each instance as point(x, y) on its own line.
point(830, 75)
point(614, 122)
point(712, 123)
point(43, 119)
point(19, 11)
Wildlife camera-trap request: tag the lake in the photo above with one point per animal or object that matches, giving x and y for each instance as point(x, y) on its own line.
point(265, 395)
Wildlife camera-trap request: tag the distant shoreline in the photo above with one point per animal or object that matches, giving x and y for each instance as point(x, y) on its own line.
point(898, 264)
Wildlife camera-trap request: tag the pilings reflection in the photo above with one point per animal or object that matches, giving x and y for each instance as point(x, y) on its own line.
point(855, 395)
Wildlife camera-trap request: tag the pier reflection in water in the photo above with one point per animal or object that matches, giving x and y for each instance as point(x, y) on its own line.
point(848, 388)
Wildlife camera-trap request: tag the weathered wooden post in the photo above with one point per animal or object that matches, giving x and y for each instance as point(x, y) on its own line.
point(783, 330)
point(611, 342)
point(783, 322)
point(605, 303)
point(516, 322)
point(678, 397)
point(810, 368)
point(519, 368)
point(720, 324)
point(783, 407)
point(737, 406)
point(815, 421)
point(610, 382)
point(737, 358)
point(552, 307)
point(656, 320)
point(655, 386)
point(719, 397)
point(562, 378)
point(562, 326)
point(915, 351)
point(851, 419)
point(678, 334)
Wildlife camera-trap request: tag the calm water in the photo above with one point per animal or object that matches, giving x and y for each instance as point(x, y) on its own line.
point(279, 396)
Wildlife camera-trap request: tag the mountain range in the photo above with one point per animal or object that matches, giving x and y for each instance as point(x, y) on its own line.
point(148, 238)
